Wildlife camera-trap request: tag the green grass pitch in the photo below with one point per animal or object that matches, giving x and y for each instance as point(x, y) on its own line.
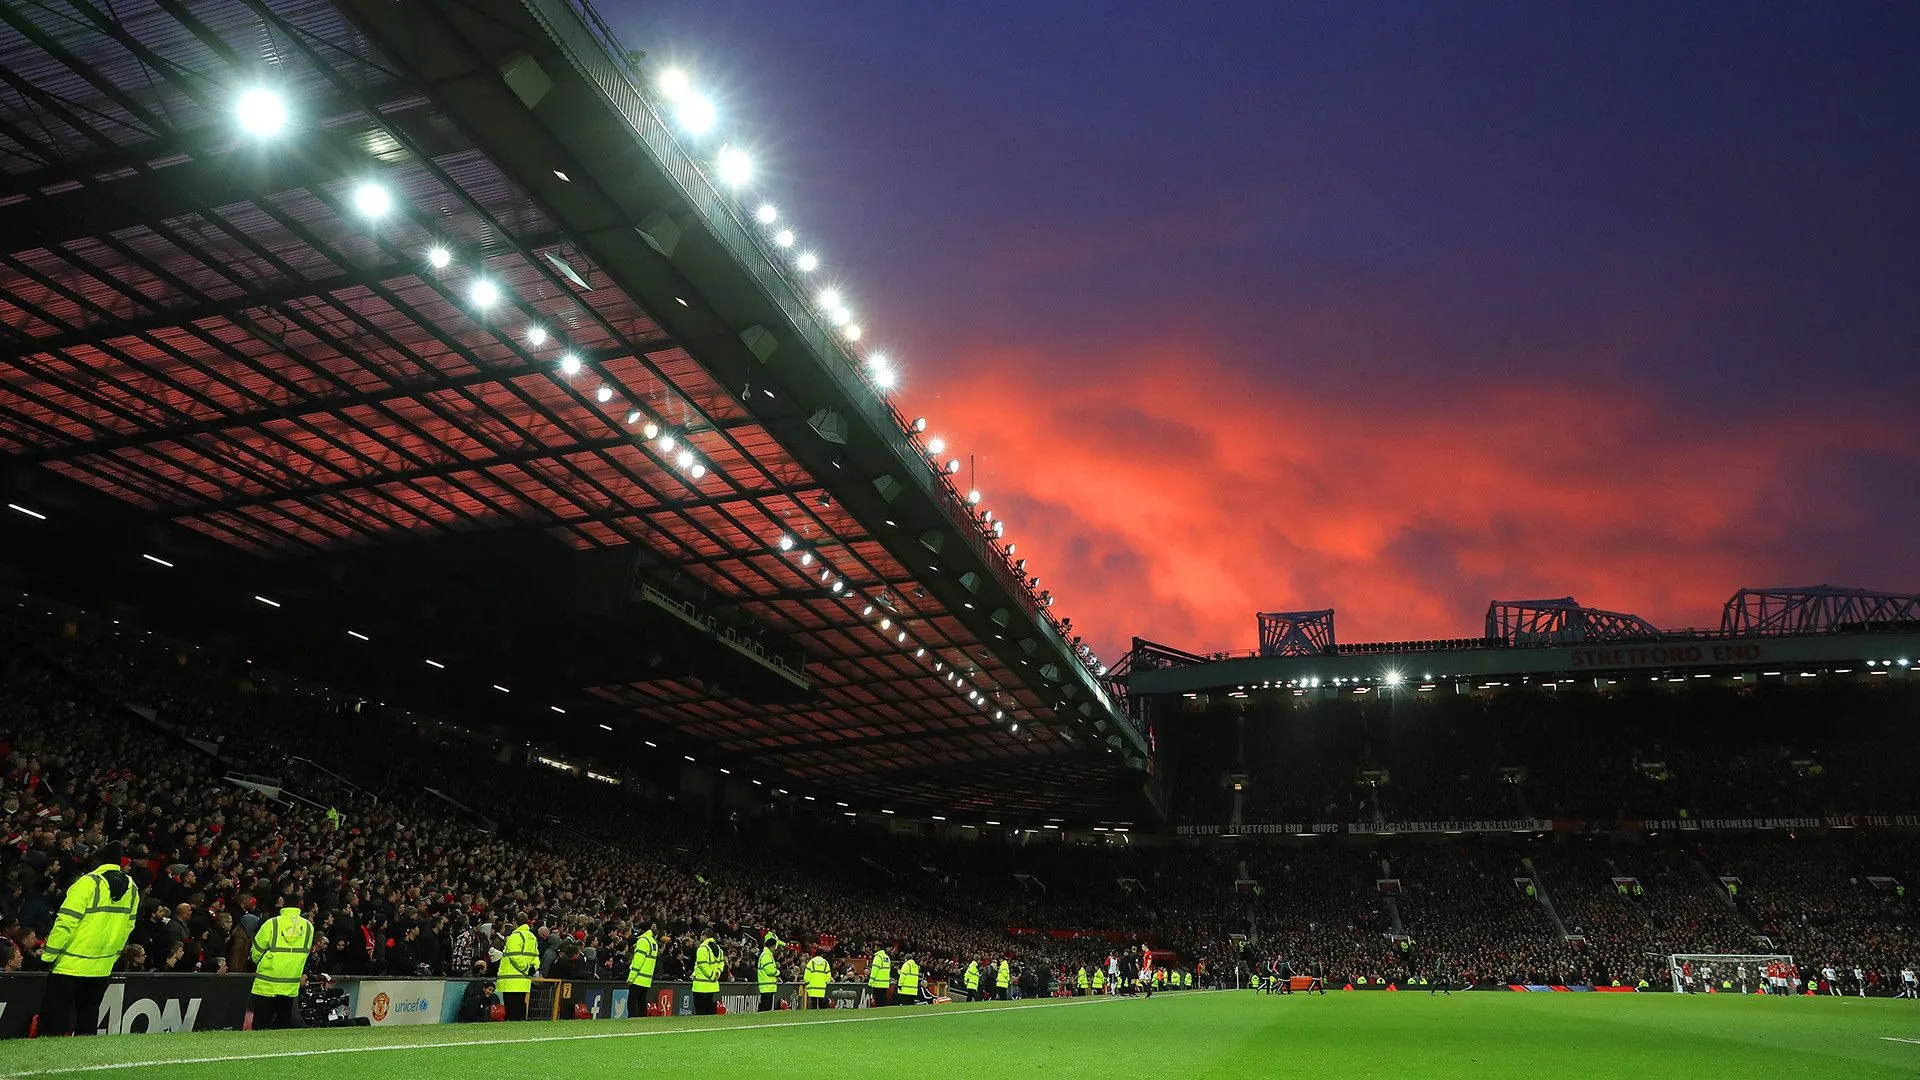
point(1349, 1036)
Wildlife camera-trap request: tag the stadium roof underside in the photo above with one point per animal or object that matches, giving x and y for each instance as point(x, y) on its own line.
point(215, 354)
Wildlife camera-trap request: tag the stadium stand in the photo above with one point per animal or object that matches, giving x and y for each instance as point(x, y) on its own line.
point(412, 883)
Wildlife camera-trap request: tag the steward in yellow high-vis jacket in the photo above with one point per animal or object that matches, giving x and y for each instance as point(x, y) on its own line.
point(880, 978)
point(972, 980)
point(281, 945)
point(768, 973)
point(87, 936)
point(709, 963)
point(519, 963)
point(646, 957)
point(909, 980)
point(818, 974)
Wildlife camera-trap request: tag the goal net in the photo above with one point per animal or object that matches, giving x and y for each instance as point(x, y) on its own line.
point(1725, 973)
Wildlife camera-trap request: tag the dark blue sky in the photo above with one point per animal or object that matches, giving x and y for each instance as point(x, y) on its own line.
point(1424, 301)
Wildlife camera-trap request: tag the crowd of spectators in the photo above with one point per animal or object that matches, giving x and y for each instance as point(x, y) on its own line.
point(415, 858)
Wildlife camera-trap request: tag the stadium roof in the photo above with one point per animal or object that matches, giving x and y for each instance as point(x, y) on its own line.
point(471, 384)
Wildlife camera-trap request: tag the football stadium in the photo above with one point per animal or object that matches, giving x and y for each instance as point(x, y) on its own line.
point(478, 602)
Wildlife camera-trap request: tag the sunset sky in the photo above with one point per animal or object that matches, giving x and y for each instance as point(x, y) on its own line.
point(1390, 308)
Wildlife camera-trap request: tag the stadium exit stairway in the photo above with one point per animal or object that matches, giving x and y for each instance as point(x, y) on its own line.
point(1545, 901)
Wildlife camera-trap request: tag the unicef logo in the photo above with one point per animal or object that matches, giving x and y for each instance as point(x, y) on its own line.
point(381, 1003)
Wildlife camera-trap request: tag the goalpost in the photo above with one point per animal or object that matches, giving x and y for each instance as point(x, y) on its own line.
point(1740, 973)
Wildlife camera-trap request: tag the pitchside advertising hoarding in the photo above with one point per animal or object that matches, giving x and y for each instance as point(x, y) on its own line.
point(138, 1003)
point(391, 1003)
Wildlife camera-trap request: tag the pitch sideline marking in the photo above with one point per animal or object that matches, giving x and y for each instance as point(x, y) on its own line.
point(1896, 1038)
point(901, 1015)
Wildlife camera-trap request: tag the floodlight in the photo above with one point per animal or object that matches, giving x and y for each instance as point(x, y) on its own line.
point(734, 165)
point(649, 429)
point(684, 459)
point(953, 466)
point(673, 83)
point(569, 364)
point(936, 445)
point(829, 298)
point(698, 470)
point(604, 394)
point(696, 114)
point(666, 444)
point(884, 379)
point(784, 238)
point(439, 257)
point(372, 200)
point(536, 336)
point(261, 112)
point(853, 332)
point(766, 215)
point(973, 498)
point(807, 262)
point(786, 543)
point(485, 293)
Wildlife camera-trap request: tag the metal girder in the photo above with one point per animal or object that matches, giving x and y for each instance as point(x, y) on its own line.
point(1296, 633)
point(1523, 623)
point(1817, 609)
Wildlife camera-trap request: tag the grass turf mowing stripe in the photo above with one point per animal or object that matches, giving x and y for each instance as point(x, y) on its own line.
point(707, 1028)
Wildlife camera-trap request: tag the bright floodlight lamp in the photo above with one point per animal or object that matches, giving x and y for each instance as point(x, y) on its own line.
point(734, 165)
point(536, 336)
point(649, 430)
point(1393, 678)
point(674, 83)
point(569, 364)
point(697, 471)
point(485, 293)
point(766, 214)
point(696, 114)
point(853, 332)
point(807, 262)
point(973, 498)
point(829, 298)
point(372, 200)
point(261, 112)
point(840, 316)
point(684, 459)
point(953, 466)
point(786, 543)
point(666, 444)
point(919, 424)
point(784, 238)
point(603, 395)
point(936, 446)
point(633, 418)
point(438, 257)
point(884, 379)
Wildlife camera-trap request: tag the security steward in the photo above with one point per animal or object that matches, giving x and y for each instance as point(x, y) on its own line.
point(519, 963)
point(87, 936)
point(281, 945)
point(818, 973)
point(1080, 982)
point(972, 980)
point(646, 956)
point(1099, 980)
point(1003, 980)
point(769, 973)
point(909, 980)
point(708, 964)
point(880, 978)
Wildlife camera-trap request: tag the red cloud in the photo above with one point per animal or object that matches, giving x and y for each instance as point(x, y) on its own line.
point(1170, 497)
